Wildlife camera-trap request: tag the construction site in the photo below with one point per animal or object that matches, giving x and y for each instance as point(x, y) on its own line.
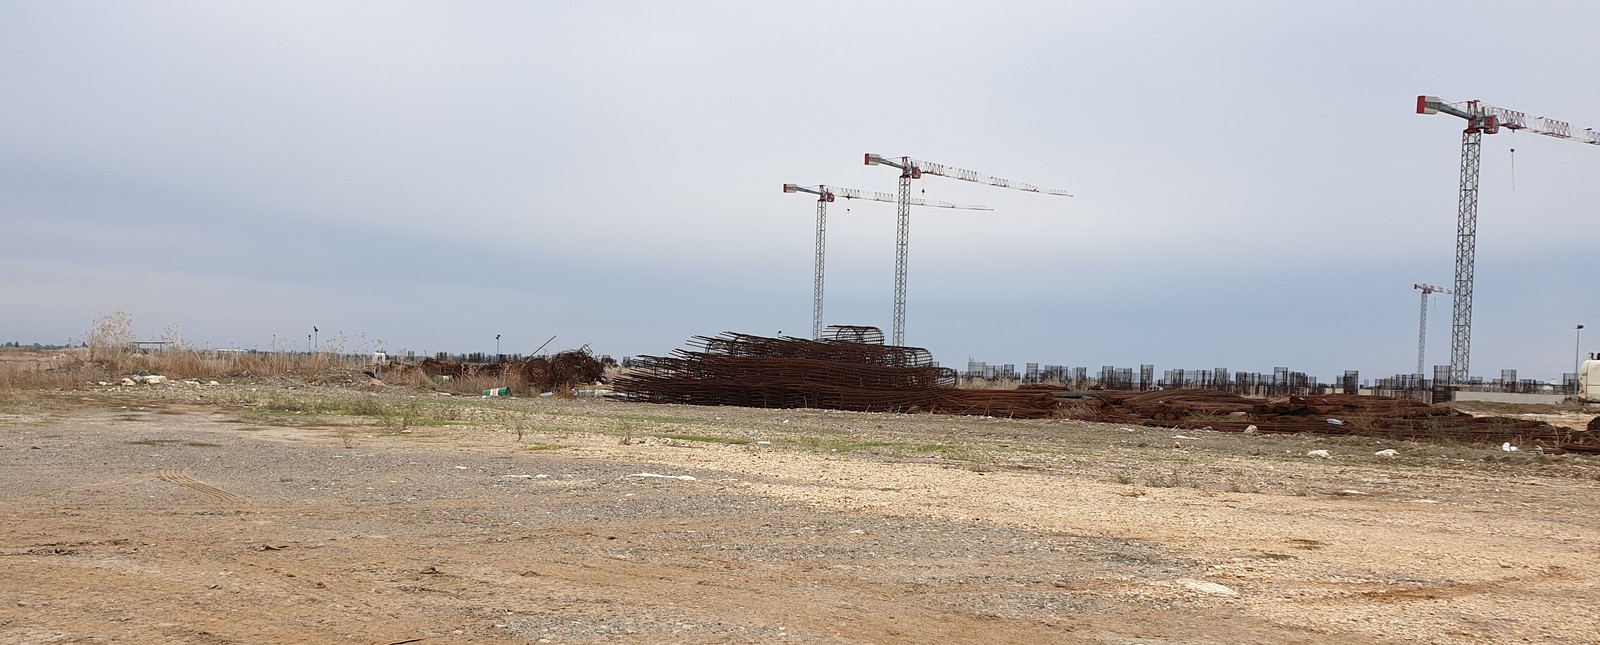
point(824, 323)
point(850, 369)
point(853, 367)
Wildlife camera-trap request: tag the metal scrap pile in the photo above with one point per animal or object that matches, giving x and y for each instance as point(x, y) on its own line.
point(561, 372)
point(1328, 414)
point(755, 371)
point(558, 373)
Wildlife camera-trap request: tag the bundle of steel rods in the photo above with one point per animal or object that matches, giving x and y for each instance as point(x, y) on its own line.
point(755, 371)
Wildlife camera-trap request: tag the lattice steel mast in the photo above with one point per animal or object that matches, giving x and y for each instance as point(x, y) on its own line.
point(1422, 324)
point(826, 194)
point(1481, 119)
point(914, 169)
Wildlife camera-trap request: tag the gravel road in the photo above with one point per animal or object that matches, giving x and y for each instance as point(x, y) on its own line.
point(259, 512)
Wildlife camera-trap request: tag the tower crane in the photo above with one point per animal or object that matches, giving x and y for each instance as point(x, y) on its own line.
point(914, 169)
point(826, 194)
point(1422, 324)
point(1481, 119)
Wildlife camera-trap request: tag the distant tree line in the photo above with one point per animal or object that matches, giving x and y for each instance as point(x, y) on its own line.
point(35, 346)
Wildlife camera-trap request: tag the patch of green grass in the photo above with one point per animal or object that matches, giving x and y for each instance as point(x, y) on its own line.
point(842, 445)
point(708, 438)
point(303, 410)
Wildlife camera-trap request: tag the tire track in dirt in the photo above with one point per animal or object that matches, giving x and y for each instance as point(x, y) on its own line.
point(182, 478)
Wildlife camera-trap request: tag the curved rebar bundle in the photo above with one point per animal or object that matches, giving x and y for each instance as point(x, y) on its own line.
point(755, 371)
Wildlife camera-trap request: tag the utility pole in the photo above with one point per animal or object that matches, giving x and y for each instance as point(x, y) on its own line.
point(914, 169)
point(826, 194)
point(1577, 358)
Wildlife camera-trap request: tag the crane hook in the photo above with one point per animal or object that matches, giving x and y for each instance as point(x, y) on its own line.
point(1513, 169)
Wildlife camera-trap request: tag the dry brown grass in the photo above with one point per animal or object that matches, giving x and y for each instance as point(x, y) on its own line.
point(108, 355)
point(33, 369)
point(469, 384)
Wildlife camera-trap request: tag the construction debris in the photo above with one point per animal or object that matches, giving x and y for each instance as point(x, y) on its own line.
point(851, 369)
point(1375, 416)
point(755, 371)
point(558, 373)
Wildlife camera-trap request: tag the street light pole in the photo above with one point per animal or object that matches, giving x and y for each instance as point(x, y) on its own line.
point(1577, 361)
point(497, 348)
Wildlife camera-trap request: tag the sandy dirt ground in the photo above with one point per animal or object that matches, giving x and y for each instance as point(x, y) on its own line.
point(252, 513)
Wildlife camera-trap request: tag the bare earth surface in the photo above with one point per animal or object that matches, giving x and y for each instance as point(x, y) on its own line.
point(251, 513)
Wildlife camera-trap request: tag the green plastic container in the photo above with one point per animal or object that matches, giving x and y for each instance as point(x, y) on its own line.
point(499, 391)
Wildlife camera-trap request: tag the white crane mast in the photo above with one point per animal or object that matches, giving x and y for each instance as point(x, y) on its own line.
point(1422, 324)
point(1481, 119)
point(914, 169)
point(826, 194)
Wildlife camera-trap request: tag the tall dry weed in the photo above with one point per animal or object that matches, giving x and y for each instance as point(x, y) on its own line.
point(110, 337)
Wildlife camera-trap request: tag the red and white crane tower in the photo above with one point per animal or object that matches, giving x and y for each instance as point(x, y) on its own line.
point(1422, 324)
point(1481, 119)
point(826, 194)
point(914, 169)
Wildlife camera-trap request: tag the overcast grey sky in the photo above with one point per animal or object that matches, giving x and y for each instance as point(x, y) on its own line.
point(1253, 186)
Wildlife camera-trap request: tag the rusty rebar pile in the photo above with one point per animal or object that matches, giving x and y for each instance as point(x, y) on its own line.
point(557, 373)
point(754, 371)
point(1364, 415)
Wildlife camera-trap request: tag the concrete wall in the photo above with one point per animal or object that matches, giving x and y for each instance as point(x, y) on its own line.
point(1510, 397)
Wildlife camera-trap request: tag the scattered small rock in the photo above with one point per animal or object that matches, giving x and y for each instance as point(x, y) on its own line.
point(687, 478)
point(1319, 454)
point(129, 381)
point(1207, 587)
point(1389, 452)
point(1251, 429)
